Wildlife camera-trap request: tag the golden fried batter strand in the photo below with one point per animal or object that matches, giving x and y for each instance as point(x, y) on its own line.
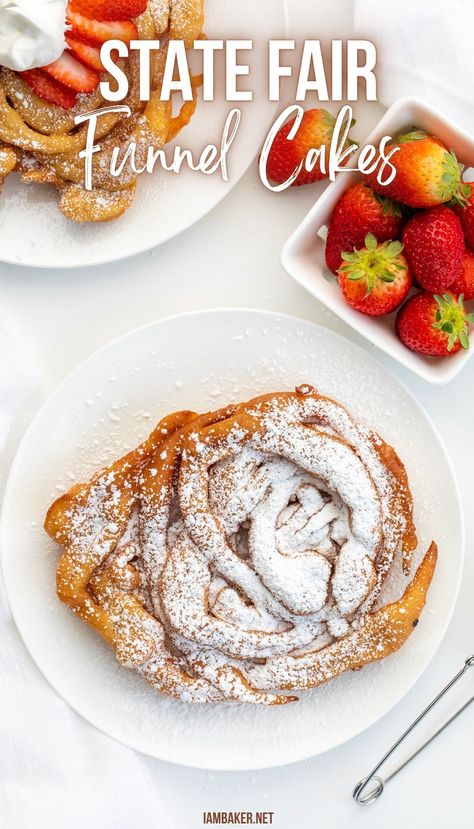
point(83, 205)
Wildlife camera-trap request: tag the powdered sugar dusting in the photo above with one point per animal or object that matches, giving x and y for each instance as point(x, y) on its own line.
point(80, 438)
point(279, 501)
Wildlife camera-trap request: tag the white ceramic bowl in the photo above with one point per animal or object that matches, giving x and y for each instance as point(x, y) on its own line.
point(303, 254)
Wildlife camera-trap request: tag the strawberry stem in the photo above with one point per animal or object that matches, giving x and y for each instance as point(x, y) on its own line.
point(413, 134)
point(451, 184)
point(452, 320)
point(373, 262)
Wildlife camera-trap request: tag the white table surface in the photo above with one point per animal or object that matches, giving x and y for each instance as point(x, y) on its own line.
point(231, 259)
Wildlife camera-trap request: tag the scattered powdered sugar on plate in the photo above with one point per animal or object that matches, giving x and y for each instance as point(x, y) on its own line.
point(234, 355)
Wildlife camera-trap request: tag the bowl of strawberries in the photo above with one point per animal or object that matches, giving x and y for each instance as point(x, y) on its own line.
point(395, 260)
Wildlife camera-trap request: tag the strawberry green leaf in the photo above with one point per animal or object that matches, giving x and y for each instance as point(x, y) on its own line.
point(451, 320)
point(370, 242)
point(389, 206)
point(327, 119)
point(451, 185)
point(375, 262)
point(393, 249)
point(349, 257)
point(412, 135)
point(464, 340)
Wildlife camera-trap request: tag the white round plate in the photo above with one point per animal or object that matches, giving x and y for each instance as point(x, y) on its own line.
point(107, 406)
point(34, 231)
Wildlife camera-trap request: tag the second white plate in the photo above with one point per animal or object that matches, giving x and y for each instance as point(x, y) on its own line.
point(34, 231)
point(107, 406)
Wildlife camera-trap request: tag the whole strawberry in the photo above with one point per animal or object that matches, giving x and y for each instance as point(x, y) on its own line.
point(433, 325)
point(427, 173)
point(465, 212)
point(285, 156)
point(464, 284)
point(375, 279)
point(358, 212)
point(434, 246)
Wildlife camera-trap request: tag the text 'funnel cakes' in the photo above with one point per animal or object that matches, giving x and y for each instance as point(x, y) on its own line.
point(240, 554)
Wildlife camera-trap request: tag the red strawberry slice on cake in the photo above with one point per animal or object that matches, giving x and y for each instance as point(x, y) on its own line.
point(92, 23)
point(73, 74)
point(110, 9)
point(99, 31)
point(48, 89)
point(86, 53)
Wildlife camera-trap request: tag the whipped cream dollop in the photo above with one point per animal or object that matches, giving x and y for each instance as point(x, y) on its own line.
point(31, 32)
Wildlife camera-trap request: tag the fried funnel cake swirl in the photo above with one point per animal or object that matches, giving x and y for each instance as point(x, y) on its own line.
point(42, 142)
point(240, 554)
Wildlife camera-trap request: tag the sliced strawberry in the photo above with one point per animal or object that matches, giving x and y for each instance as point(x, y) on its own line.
point(88, 55)
point(72, 73)
point(96, 31)
point(109, 9)
point(48, 89)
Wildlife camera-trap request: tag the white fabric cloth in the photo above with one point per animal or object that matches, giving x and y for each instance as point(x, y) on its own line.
point(56, 771)
point(424, 48)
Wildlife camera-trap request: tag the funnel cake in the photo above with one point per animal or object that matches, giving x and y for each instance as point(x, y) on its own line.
point(240, 554)
point(42, 142)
